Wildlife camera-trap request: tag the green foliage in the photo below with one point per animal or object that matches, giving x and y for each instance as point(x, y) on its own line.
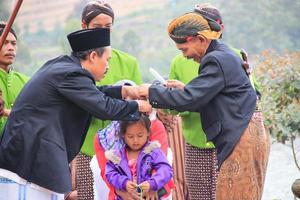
point(279, 76)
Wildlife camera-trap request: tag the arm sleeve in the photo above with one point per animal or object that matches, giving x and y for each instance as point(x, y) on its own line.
point(82, 91)
point(163, 171)
point(117, 180)
point(195, 95)
point(111, 91)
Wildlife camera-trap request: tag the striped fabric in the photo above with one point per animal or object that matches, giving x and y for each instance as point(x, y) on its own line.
point(176, 143)
point(10, 190)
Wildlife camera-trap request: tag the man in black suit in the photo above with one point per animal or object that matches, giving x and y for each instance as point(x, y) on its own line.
point(51, 116)
point(221, 93)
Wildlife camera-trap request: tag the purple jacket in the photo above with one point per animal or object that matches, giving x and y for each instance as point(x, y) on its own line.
point(150, 158)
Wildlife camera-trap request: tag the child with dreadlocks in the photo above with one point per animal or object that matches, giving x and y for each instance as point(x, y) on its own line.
point(140, 165)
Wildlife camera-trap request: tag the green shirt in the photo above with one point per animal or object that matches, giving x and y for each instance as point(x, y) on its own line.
point(121, 66)
point(185, 70)
point(10, 84)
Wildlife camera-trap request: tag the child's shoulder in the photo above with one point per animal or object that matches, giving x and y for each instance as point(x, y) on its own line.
point(152, 146)
point(113, 155)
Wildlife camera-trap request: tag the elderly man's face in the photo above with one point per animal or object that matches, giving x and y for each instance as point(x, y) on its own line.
point(194, 48)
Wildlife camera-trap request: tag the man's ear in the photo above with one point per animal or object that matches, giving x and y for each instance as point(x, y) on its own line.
point(83, 24)
point(92, 56)
point(201, 38)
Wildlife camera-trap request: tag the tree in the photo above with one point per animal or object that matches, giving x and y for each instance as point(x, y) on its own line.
point(279, 77)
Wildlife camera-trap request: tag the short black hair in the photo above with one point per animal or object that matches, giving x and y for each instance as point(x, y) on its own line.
point(3, 25)
point(144, 119)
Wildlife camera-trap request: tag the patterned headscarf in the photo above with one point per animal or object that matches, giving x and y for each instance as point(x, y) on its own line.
point(95, 8)
point(209, 11)
point(193, 24)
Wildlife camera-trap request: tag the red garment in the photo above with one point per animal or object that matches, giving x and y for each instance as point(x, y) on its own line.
point(158, 132)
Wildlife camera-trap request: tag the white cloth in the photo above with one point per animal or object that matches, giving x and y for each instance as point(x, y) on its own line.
point(101, 190)
point(13, 187)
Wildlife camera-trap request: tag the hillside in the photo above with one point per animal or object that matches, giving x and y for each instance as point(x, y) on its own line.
point(140, 28)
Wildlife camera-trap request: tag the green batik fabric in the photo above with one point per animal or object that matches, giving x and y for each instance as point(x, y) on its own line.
point(10, 84)
point(121, 66)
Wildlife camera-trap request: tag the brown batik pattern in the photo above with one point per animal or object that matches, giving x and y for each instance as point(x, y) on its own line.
point(243, 173)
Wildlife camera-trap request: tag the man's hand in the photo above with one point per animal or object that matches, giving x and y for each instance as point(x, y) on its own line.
point(71, 196)
point(144, 106)
point(164, 117)
point(143, 91)
point(174, 84)
point(6, 112)
point(130, 92)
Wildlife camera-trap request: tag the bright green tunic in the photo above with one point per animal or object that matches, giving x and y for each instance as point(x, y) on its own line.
point(121, 66)
point(10, 84)
point(185, 70)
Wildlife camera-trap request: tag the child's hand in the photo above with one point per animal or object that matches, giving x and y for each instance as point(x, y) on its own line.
point(145, 186)
point(130, 186)
point(152, 195)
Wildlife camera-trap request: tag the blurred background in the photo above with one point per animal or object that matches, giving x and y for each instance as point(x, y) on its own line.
point(268, 30)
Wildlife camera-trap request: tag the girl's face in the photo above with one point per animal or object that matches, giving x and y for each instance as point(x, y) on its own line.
point(136, 136)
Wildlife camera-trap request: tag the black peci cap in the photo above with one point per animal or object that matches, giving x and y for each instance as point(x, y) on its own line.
point(87, 39)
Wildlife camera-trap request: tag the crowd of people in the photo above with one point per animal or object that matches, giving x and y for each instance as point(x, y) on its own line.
point(85, 127)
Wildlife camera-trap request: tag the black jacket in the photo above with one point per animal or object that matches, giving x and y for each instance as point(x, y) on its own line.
point(221, 93)
point(50, 118)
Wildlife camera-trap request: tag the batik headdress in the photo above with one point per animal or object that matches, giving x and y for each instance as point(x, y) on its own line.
point(193, 24)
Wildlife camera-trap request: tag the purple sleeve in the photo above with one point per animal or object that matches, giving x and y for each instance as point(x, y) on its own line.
point(114, 177)
point(163, 172)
